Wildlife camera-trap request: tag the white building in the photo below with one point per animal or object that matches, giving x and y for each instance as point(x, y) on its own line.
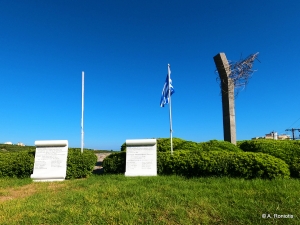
point(274, 136)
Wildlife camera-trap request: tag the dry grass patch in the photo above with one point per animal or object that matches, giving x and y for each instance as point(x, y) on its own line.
point(53, 186)
point(17, 193)
point(28, 190)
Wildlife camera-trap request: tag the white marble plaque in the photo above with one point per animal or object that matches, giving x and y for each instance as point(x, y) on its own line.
point(50, 163)
point(141, 157)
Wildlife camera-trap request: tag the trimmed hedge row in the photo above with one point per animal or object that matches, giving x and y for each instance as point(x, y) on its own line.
point(163, 145)
point(16, 164)
point(20, 164)
point(215, 145)
point(289, 151)
point(5, 148)
point(80, 165)
point(115, 163)
point(217, 163)
point(209, 163)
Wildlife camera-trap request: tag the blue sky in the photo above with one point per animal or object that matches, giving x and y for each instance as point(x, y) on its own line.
point(124, 48)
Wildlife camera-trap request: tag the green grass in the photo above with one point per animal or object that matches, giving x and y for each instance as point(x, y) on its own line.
point(116, 199)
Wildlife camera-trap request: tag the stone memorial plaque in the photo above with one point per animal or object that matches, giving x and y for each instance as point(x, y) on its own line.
point(50, 163)
point(141, 157)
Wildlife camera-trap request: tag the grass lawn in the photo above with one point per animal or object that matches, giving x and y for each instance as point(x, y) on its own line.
point(116, 199)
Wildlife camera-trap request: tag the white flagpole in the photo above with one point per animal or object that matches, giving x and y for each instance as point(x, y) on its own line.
point(82, 106)
point(169, 77)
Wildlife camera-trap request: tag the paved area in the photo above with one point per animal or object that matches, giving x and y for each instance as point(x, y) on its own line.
point(98, 169)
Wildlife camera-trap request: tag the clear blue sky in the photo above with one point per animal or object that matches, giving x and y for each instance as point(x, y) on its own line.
point(124, 48)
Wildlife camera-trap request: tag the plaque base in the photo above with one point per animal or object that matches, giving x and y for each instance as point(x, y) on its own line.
point(139, 174)
point(46, 179)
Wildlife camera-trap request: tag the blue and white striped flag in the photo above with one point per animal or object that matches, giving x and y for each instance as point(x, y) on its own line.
point(165, 98)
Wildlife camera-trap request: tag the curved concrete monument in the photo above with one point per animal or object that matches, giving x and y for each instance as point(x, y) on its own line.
point(50, 163)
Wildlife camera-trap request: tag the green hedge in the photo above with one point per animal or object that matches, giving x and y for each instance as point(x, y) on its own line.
point(17, 164)
point(80, 165)
point(115, 163)
point(212, 163)
point(287, 150)
point(163, 145)
point(5, 148)
point(223, 163)
point(216, 145)
point(187, 145)
point(20, 164)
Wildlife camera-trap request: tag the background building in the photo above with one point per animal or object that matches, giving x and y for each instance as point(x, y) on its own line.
point(274, 135)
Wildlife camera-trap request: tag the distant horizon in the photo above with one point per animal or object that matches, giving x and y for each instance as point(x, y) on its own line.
point(259, 138)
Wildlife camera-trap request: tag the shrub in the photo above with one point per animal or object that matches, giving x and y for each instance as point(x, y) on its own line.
point(209, 163)
point(168, 164)
point(215, 145)
point(238, 143)
point(163, 144)
point(123, 147)
point(80, 165)
point(20, 164)
point(258, 165)
point(17, 164)
point(222, 163)
point(15, 148)
point(289, 151)
point(188, 145)
point(115, 163)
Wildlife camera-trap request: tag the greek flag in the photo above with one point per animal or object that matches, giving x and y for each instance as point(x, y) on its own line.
point(165, 98)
